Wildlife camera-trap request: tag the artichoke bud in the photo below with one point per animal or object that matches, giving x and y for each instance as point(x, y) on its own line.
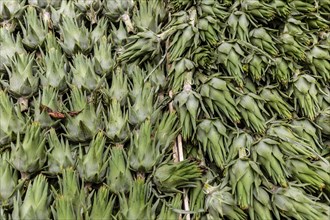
point(182, 40)
point(30, 156)
point(249, 106)
point(167, 211)
point(239, 142)
point(292, 202)
point(103, 203)
point(203, 57)
point(63, 209)
point(46, 105)
point(118, 35)
point(187, 104)
point(83, 74)
point(171, 177)
point(90, 8)
point(71, 197)
point(36, 201)
point(66, 9)
point(138, 204)
point(99, 31)
point(258, 10)
point(166, 130)
point(302, 6)
point(217, 97)
point(76, 37)
point(267, 153)
point(103, 59)
point(10, 9)
point(230, 56)
point(209, 29)
point(85, 5)
point(22, 79)
point(256, 67)
point(319, 59)
point(281, 71)
point(116, 8)
point(150, 15)
point(305, 171)
point(291, 47)
point(119, 177)
point(281, 8)
point(290, 143)
point(9, 47)
point(12, 121)
point(220, 203)
point(305, 88)
point(274, 101)
point(307, 131)
point(144, 107)
point(52, 71)
point(179, 69)
point(45, 3)
point(8, 180)
point(34, 29)
point(143, 46)
point(322, 168)
point(323, 121)
point(143, 153)
point(116, 127)
point(244, 177)
point(118, 89)
point(60, 156)
point(119, 10)
point(85, 121)
point(211, 135)
point(93, 164)
point(261, 38)
point(158, 78)
point(261, 205)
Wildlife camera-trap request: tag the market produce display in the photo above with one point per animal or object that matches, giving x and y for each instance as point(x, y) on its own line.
point(165, 109)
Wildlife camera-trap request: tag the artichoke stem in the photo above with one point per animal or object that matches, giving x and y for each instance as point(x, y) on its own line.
point(128, 23)
point(23, 103)
point(25, 176)
point(140, 176)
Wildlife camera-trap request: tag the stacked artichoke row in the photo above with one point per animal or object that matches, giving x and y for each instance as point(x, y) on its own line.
point(151, 109)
